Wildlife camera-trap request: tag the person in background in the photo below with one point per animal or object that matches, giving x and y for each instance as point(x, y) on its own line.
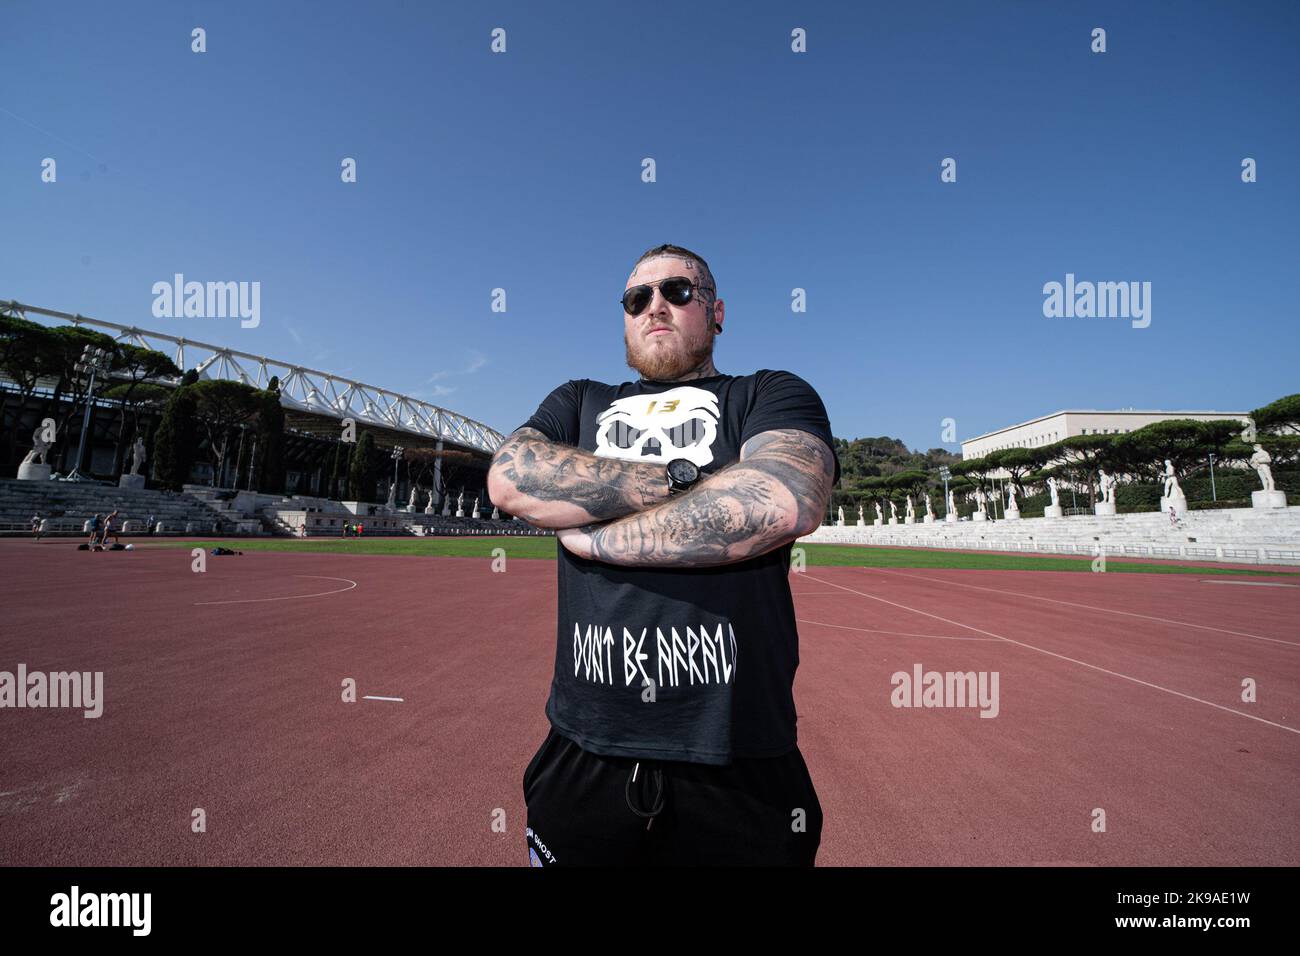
point(109, 528)
point(95, 524)
point(36, 527)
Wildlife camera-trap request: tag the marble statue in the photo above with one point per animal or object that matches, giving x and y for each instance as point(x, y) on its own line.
point(41, 448)
point(1171, 481)
point(861, 517)
point(1011, 498)
point(1260, 461)
point(880, 515)
point(428, 508)
point(980, 499)
point(392, 496)
point(841, 515)
point(929, 508)
point(415, 491)
point(1107, 487)
point(138, 456)
point(893, 511)
point(1051, 488)
point(460, 501)
point(952, 503)
point(911, 507)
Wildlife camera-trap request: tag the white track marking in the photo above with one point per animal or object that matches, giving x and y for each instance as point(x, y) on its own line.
point(291, 597)
point(1072, 660)
point(1253, 584)
point(370, 697)
point(1088, 607)
point(874, 630)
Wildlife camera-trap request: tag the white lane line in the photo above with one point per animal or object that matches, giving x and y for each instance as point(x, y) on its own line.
point(371, 697)
point(291, 597)
point(1253, 584)
point(873, 630)
point(1088, 607)
point(1072, 660)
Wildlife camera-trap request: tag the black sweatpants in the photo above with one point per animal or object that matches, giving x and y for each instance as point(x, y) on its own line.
point(585, 809)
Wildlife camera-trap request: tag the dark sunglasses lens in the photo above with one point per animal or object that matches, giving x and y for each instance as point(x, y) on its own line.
point(677, 291)
point(636, 299)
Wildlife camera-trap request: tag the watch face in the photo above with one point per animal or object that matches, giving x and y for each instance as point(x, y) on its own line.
point(683, 470)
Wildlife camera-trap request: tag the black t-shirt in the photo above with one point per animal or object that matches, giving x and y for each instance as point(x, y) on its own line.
point(719, 644)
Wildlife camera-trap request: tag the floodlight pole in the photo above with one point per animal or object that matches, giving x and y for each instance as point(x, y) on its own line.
point(90, 359)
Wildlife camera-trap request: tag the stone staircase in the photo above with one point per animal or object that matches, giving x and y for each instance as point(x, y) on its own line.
point(177, 513)
point(1229, 535)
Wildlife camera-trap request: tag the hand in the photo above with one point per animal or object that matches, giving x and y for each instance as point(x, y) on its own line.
point(575, 541)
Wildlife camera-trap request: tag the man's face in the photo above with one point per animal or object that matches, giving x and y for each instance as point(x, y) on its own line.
point(666, 341)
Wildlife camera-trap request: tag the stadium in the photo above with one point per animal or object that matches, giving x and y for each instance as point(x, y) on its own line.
point(384, 491)
point(326, 452)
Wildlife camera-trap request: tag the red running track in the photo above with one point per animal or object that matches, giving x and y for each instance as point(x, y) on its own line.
point(1118, 692)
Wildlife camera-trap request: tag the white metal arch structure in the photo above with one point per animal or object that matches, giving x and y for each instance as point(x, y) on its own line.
point(304, 389)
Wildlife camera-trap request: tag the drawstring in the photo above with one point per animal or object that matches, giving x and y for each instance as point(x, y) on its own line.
point(658, 805)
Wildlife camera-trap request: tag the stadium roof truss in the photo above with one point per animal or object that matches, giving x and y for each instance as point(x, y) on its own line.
point(303, 389)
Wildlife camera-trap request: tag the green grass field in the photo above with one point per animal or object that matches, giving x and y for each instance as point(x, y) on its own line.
point(824, 555)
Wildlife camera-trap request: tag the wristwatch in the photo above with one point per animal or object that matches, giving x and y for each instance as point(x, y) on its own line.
point(682, 474)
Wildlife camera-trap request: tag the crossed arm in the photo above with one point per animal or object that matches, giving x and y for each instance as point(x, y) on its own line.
point(776, 492)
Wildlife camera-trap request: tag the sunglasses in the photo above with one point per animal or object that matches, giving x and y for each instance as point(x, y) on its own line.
point(677, 290)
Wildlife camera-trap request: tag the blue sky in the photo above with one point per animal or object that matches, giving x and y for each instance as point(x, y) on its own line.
point(819, 171)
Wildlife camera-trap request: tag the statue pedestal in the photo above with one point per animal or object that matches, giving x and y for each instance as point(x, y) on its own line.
point(460, 512)
point(33, 472)
point(1268, 499)
point(429, 510)
point(929, 519)
point(1053, 511)
point(839, 522)
point(862, 523)
point(980, 516)
point(950, 518)
point(134, 482)
point(1104, 509)
point(1012, 515)
point(878, 522)
point(1177, 502)
point(909, 520)
point(893, 521)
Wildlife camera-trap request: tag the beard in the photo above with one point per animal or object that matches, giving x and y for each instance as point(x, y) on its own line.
point(660, 364)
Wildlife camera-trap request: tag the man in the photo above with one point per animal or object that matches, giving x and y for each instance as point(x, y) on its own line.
point(94, 530)
point(675, 500)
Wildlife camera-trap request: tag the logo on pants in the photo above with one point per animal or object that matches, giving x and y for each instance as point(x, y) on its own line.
point(534, 859)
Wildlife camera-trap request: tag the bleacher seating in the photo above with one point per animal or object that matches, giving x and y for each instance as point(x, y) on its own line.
point(1228, 535)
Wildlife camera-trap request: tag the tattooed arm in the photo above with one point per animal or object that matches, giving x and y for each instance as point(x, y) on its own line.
point(551, 485)
point(775, 493)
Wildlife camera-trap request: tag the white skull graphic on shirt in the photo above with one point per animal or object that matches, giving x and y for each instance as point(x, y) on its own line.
point(679, 423)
